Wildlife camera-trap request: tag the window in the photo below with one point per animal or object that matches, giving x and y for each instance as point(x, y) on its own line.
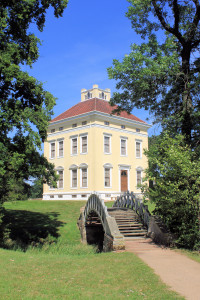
point(60, 196)
point(51, 196)
point(123, 127)
point(107, 144)
point(52, 150)
point(107, 177)
point(106, 123)
point(53, 130)
point(84, 123)
point(60, 180)
point(102, 95)
point(74, 125)
point(123, 147)
point(84, 177)
point(88, 96)
point(84, 144)
point(60, 128)
point(138, 150)
point(137, 130)
point(60, 148)
point(74, 178)
point(139, 177)
point(74, 146)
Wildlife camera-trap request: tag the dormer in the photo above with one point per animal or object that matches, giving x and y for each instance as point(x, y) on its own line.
point(95, 92)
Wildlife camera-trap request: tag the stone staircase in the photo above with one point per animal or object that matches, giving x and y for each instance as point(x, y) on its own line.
point(128, 223)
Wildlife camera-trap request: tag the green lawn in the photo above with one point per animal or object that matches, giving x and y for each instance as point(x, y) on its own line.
point(51, 263)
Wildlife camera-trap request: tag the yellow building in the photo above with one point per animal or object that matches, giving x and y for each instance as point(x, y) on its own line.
point(94, 150)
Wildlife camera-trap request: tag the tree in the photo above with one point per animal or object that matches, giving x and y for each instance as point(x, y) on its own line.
point(176, 191)
point(36, 190)
point(162, 73)
point(25, 107)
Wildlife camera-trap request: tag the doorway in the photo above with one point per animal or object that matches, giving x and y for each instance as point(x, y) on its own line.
point(124, 180)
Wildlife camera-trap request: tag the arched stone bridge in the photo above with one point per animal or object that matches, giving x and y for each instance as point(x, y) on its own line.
point(109, 228)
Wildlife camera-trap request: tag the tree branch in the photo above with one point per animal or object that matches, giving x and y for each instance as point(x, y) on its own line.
point(174, 30)
point(176, 15)
point(195, 21)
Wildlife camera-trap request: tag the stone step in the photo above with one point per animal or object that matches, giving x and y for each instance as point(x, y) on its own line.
point(133, 231)
point(129, 226)
point(128, 223)
point(134, 234)
point(131, 238)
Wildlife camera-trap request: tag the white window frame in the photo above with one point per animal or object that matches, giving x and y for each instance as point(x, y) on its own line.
point(50, 149)
point(60, 140)
point(124, 138)
point(81, 143)
point(60, 188)
point(71, 176)
point(140, 143)
point(139, 169)
point(107, 166)
point(72, 138)
point(107, 135)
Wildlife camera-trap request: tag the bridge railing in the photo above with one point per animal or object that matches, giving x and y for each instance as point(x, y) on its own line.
point(129, 200)
point(95, 203)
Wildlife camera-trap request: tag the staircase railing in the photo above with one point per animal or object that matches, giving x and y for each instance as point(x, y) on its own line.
point(129, 200)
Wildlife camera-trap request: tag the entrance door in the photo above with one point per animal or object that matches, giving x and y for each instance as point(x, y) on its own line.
point(124, 181)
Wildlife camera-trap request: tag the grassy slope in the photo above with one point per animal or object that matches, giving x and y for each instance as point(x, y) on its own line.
point(68, 269)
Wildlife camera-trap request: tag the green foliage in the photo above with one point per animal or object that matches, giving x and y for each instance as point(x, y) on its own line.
point(36, 189)
point(176, 192)
point(25, 107)
point(162, 73)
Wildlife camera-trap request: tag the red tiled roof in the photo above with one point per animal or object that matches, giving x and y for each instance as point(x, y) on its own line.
point(90, 105)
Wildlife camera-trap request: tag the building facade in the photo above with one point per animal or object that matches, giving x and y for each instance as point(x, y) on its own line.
point(94, 150)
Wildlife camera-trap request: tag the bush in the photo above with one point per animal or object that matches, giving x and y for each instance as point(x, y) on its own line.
point(176, 175)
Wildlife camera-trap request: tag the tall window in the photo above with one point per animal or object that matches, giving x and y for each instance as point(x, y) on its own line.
point(107, 177)
point(74, 178)
point(106, 144)
point(60, 148)
point(138, 150)
point(60, 180)
point(123, 147)
point(139, 177)
point(84, 144)
point(74, 146)
point(52, 150)
point(84, 177)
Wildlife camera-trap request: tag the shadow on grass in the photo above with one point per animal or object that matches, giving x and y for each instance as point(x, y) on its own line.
point(22, 229)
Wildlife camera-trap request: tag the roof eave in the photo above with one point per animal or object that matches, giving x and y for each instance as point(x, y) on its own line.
point(110, 116)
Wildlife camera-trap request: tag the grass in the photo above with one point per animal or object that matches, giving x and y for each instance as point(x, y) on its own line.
point(51, 263)
point(194, 255)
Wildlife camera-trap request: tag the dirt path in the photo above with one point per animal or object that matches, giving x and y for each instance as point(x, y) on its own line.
point(180, 273)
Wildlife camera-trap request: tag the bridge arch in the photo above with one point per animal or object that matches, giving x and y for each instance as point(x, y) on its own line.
point(97, 227)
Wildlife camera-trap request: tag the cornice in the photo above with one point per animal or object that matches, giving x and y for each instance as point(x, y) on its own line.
point(117, 119)
point(106, 128)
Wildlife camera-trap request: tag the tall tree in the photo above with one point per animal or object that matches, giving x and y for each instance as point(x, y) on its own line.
point(162, 73)
point(25, 107)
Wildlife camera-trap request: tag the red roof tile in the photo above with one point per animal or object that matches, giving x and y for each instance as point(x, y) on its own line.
point(90, 105)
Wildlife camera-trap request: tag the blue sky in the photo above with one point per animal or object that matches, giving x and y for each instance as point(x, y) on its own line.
point(78, 48)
